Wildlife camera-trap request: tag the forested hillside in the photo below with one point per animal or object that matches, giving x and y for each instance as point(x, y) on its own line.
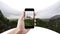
point(53, 23)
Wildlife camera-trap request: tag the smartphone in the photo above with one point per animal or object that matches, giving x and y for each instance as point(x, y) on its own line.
point(29, 18)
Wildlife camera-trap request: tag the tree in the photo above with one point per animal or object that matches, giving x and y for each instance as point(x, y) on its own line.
point(41, 23)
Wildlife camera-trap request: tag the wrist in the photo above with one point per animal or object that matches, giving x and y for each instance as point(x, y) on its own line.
point(20, 31)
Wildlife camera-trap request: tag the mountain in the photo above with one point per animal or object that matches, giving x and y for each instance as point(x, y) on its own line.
point(55, 21)
point(55, 17)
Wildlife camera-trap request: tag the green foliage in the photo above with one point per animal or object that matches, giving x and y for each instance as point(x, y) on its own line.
point(6, 24)
point(29, 22)
point(54, 24)
point(41, 23)
point(13, 23)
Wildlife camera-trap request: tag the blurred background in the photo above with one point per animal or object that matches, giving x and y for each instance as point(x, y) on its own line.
point(47, 13)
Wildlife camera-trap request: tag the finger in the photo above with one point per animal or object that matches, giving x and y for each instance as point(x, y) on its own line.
point(21, 21)
point(22, 16)
point(34, 18)
point(34, 15)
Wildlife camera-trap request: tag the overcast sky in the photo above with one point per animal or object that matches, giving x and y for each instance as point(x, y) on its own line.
point(12, 9)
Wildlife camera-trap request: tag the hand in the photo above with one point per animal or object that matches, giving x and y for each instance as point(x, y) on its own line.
point(20, 26)
point(20, 29)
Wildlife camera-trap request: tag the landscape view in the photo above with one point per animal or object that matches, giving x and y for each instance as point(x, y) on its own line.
point(53, 23)
point(47, 13)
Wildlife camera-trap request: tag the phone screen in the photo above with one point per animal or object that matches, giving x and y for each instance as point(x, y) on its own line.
point(29, 18)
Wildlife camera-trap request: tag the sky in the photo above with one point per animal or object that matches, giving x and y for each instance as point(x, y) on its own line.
point(12, 9)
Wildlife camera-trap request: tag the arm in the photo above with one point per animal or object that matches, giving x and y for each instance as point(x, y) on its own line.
point(20, 29)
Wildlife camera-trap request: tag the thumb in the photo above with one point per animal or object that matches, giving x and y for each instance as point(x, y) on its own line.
point(21, 22)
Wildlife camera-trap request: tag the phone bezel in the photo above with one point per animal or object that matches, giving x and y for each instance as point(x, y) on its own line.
point(29, 9)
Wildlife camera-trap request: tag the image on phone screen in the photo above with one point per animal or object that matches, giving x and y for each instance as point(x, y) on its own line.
point(29, 18)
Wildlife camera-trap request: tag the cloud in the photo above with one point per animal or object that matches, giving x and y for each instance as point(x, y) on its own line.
point(8, 11)
point(50, 11)
point(45, 13)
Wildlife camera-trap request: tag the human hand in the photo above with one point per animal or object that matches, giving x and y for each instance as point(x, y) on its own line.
point(20, 26)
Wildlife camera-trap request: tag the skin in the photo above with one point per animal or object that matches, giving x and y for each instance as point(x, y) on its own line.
point(20, 29)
